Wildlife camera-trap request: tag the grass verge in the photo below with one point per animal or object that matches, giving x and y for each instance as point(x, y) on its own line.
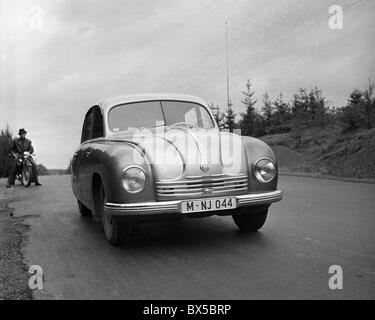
point(14, 275)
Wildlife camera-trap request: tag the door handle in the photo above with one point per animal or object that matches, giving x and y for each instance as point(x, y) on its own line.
point(87, 153)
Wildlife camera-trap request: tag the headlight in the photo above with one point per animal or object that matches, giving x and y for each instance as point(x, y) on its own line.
point(265, 170)
point(133, 179)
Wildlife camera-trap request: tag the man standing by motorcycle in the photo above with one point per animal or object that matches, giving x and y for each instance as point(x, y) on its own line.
point(19, 146)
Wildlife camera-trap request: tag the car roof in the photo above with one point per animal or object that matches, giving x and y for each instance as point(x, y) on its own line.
point(110, 102)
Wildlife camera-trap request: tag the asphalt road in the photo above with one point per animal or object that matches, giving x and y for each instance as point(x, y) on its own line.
point(319, 223)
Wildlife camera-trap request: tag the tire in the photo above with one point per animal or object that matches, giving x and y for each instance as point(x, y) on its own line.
point(117, 233)
point(250, 221)
point(26, 175)
point(85, 212)
point(19, 178)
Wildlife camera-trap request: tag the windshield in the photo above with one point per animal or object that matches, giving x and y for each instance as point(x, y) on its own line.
point(149, 114)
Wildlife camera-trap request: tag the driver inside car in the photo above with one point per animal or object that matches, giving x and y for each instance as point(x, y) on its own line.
point(19, 146)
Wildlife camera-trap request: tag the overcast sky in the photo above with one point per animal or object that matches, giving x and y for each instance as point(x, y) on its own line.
point(59, 57)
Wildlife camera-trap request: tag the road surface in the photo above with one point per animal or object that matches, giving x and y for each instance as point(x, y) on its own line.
point(320, 223)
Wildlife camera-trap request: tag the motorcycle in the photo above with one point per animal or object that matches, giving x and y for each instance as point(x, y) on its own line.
point(25, 173)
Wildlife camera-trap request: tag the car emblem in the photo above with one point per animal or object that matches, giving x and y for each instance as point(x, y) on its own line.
point(205, 167)
point(207, 190)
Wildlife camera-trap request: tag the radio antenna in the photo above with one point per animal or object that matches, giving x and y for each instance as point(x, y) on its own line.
point(226, 47)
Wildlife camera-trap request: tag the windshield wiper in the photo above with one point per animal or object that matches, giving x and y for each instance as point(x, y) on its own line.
point(154, 126)
point(177, 124)
point(189, 125)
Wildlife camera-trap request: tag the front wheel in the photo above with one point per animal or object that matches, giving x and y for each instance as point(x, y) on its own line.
point(250, 221)
point(26, 175)
point(117, 233)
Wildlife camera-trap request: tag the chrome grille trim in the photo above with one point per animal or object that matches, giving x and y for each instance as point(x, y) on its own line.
point(186, 189)
point(202, 180)
point(200, 193)
point(195, 186)
point(212, 175)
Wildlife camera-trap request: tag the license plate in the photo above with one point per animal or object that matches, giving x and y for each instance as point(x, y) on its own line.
point(204, 205)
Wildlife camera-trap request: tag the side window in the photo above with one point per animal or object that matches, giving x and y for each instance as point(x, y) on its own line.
point(98, 128)
point(86, 130)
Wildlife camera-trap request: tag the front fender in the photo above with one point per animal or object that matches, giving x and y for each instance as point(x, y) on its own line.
point(109, 160)
point(256, 149)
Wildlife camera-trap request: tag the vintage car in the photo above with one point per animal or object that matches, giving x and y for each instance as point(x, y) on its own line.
point(153, 157)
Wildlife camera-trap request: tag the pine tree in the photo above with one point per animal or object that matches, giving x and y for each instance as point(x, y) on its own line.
point(248, 117)
point(6, 139)
point(267, 110)
point(369, 104)
point(218, 115)
point(317, 107)
point(300, 107)
point(229, 117)
point(351, 115)
point(281, 110)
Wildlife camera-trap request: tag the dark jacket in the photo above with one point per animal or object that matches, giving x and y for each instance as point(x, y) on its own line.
point(20, 146)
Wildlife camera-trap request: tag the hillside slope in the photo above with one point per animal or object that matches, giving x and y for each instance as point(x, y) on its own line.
point(326, 151)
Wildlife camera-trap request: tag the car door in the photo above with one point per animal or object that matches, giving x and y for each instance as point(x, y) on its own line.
point(83, 155)
point(95, 121)
point(77, 158)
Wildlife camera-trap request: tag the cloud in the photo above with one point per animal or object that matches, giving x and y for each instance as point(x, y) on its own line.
point(85, 30)
point(88, 50)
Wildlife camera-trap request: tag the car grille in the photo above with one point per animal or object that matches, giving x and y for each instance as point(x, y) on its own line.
point(202, 186)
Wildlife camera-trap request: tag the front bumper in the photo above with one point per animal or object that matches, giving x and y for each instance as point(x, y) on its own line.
point(174, 207)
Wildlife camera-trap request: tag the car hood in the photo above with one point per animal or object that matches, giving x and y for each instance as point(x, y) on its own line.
point(181, 152)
